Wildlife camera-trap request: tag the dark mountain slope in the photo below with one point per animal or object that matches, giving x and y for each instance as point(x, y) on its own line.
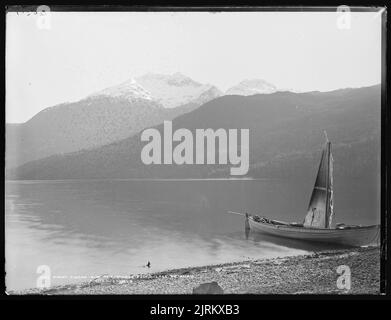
point(84, 124)
point(286, 134)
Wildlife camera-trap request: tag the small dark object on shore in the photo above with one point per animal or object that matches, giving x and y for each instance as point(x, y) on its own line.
point(208, 288)
point(148, 264)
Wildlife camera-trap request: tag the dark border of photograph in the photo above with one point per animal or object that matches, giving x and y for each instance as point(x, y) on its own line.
point(245, 300)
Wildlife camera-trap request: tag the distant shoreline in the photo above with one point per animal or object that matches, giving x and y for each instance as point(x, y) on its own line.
point(315, 273)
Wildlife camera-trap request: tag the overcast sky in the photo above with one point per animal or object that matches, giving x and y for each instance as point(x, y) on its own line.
point(85, 52)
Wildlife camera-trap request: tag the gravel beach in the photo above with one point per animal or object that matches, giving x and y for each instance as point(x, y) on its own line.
point(307, 274)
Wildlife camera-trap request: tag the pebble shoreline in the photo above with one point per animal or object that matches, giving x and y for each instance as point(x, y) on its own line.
point(306, 274)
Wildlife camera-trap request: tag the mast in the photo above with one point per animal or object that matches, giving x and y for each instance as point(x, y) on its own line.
point(330, 191)
point(331, 200)
point(327, 185)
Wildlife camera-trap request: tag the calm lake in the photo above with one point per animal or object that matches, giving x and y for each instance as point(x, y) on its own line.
point(83, 229)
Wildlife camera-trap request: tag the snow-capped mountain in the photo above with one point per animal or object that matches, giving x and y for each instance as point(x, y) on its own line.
point(250, 87)
point(290, 90)
point(170, 91)
point(177, 89)
point(106, 116)
point(129, 90)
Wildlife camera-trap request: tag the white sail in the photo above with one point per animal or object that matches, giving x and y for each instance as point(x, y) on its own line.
point(320, 208)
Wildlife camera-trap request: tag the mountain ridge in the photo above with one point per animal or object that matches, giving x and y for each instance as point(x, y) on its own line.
point(286, 132)
point(105, 116)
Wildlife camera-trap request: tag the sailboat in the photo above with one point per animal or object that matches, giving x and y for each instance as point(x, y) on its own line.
point(317, 224)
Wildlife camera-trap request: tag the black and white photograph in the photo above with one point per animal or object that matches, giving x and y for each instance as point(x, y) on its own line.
point(193, 152)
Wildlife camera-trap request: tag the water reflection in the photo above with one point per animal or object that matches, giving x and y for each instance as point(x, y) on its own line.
point(116, 227)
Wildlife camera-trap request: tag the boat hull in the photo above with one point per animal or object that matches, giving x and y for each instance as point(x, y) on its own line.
point(357, 236)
